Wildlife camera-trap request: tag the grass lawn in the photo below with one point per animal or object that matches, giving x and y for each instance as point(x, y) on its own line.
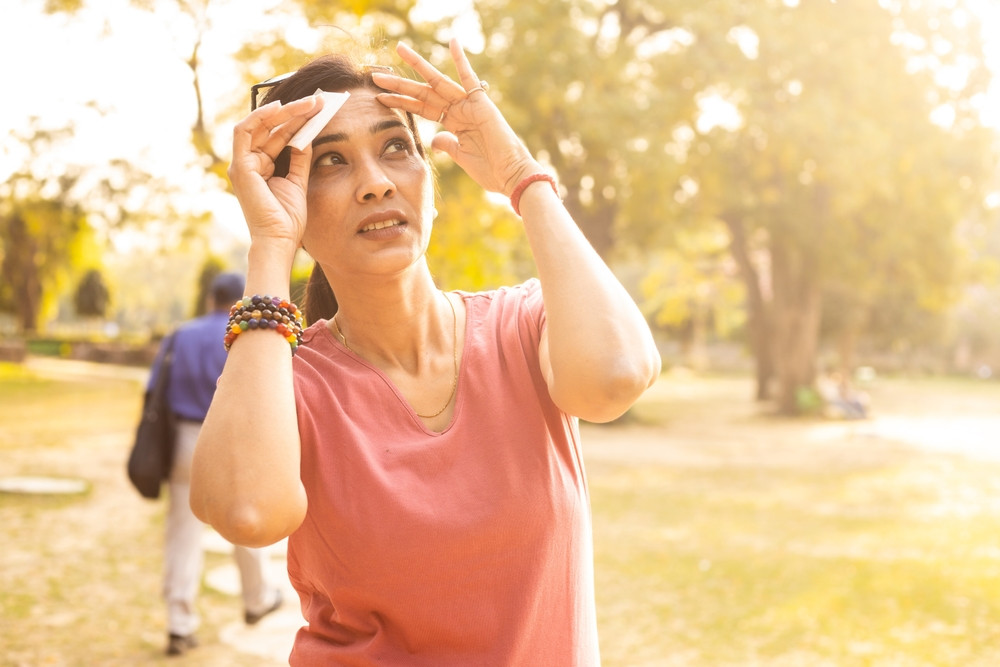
point(80, 575)
point(723, 535)
point(729, 537)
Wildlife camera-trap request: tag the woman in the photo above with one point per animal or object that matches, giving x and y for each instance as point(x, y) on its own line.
point(419, 448)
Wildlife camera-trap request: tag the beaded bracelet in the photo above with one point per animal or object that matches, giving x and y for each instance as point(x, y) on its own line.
point(265, 312)
point(515, 196)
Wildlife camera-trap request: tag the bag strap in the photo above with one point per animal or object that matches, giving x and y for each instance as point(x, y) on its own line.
point(159, 390)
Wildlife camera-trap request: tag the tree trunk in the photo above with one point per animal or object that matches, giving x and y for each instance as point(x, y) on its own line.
point(20, 272)
point(758, 313)
point(797, 310)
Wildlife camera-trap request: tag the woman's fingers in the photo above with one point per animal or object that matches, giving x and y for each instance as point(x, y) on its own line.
point(299, 165)
point(446, 142)
point(477, 136)
point(411, 96)
point(268, 129)
point(273, 207)
point(434, 98)
point(470, 82)
point(443, 85)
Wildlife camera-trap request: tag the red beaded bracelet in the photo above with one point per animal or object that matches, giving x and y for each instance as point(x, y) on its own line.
point(515, 196)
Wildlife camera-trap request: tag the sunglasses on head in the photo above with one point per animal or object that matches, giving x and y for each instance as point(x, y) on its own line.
point(275, 80)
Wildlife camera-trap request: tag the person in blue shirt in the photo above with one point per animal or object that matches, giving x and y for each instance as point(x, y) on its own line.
point(198, 358)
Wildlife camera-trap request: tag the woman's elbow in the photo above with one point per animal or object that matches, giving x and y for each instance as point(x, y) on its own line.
point(249, 528)
point(253, 523)
point(616, 391)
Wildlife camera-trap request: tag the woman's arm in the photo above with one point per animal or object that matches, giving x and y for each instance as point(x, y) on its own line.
point(597, 352)
point(245, 479)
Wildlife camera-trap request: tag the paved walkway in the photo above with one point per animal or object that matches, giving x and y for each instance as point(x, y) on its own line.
point(272, 637)
point(72, 369)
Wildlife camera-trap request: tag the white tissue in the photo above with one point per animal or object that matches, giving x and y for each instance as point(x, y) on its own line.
point(331, 105)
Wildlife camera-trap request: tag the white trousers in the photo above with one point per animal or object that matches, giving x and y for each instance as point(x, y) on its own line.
point(184, 558)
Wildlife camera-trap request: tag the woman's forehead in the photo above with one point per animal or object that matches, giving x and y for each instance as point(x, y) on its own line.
point(361, 110)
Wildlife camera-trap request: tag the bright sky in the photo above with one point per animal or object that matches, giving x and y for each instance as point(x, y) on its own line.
point(54, 64)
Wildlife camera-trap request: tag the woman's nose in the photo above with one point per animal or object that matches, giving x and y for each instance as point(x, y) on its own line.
point(374, 184)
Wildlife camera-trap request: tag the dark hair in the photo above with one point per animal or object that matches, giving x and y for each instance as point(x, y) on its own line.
point(226, 288)
point(333, 73)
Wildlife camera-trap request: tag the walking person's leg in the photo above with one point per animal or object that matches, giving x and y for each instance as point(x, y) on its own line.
point(260, 597)
point(183, 555)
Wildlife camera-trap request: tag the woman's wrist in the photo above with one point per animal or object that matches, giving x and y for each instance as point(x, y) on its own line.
point(269, 267)
point(526, 182)
point(524, 170)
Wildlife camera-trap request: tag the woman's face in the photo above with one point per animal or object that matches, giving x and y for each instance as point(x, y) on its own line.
point(370, 198)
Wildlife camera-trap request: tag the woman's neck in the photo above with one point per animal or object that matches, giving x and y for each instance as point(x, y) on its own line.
point(399, 322)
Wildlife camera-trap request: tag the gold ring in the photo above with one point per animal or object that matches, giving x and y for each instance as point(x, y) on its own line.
point(444, 112)
point(477, 88)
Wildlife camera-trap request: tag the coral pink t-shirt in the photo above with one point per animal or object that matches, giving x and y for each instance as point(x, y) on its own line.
point(468, 547)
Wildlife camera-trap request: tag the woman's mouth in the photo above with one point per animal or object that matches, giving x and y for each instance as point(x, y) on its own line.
point(381, 224)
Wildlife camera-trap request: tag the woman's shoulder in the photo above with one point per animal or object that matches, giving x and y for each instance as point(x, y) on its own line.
point(510, 312)
point(317, 347)
point(517, 292)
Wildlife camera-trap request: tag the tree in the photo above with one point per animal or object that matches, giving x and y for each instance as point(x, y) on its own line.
point(51, 215)
point(838, 176)
point(92, 295)
point(40, 226)
point(36, 237)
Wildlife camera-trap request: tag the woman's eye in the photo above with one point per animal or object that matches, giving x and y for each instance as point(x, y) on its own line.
point(328, 159)
point(397, 145)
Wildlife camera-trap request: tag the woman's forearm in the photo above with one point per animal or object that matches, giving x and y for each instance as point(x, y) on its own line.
point(245, 479)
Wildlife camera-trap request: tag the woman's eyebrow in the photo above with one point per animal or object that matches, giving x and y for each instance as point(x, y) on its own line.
point(388, 124)
point(381, 126)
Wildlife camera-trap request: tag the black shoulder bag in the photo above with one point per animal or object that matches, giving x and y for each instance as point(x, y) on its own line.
point(153, 449)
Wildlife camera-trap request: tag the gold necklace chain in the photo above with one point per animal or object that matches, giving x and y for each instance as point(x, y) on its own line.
point(454, 332)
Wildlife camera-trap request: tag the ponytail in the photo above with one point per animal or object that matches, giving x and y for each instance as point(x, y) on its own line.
point(320, 302)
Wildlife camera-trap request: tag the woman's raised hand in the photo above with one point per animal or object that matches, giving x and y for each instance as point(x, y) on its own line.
point(476, 136)
point(274, 206)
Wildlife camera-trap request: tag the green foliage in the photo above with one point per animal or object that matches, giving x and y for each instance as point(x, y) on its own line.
point(321, 12)
point(92, 295)
point(37, 239)
point(63, 6)
point(476, 245)
point(694, 280)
